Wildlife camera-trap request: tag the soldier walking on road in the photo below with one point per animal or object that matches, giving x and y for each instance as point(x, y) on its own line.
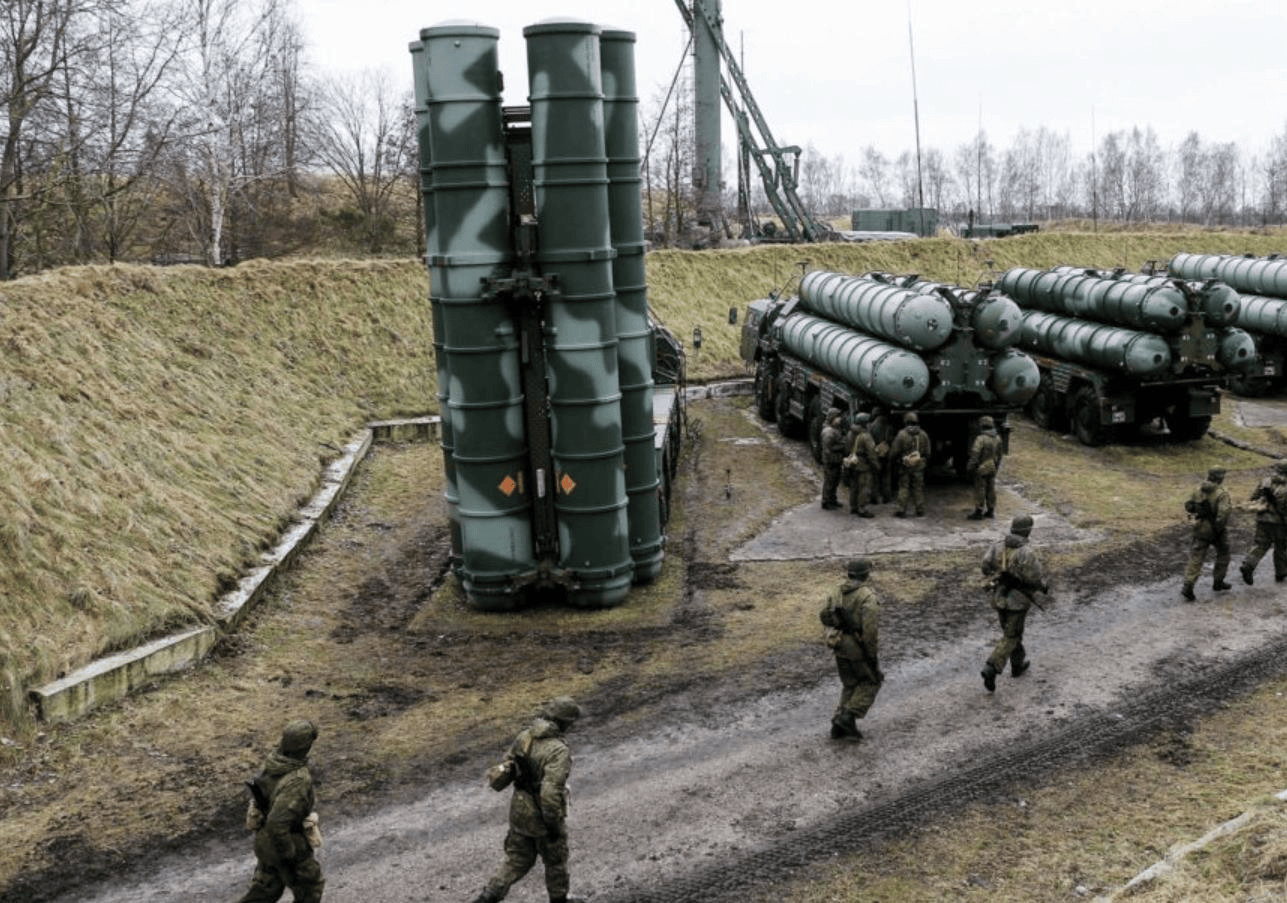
point(1210, 507)
point(1270, 503)
point(1015, 575)
point(285, 825)
point(910, 453)
point(852, 616)
point(861, 462)
point(833, 458)
point(985, 460)
point(537, 764)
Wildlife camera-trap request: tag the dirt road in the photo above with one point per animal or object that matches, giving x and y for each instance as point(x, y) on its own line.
point(731, 791)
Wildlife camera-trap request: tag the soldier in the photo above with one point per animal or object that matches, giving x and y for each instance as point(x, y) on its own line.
point(1016, 574)
point(285, 825)
point(1270, 503)
point(861, 462)
point(1210, 507)
point(910, 452)
point(833, 457)
point(882, 433)
point(985, 460)
point(537, 764)
point(852, 614)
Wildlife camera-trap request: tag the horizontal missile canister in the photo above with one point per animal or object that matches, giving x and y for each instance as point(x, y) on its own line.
point(470, 243)
point(892, 374)
point(634, 334)
point(1251, 275)
point(921, 322)
point(1263, 315)
point(1015, 377)
point(570, 183)
point(994, 318)
point(1236, 350)
point(1081, 293)
point(1218, 303)
point(1128, 351)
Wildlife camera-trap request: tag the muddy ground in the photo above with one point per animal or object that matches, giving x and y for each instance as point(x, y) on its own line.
point(705, 787)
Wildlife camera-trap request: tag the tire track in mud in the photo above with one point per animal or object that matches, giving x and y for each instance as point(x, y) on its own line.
point(1087, 740)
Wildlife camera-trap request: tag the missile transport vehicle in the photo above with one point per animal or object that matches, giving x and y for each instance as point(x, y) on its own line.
point(856, 343)
point(1261, 283)
point(1119, 352)
point(558, 443)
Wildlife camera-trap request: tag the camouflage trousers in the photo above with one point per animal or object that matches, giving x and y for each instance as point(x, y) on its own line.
point(1198, 553)
point(911, 488)
point(830, 483)
point(858, 687)
point(1010, 646)
point(270, 882)
point(1267, 536)
point(520, 855)
point(859, 488)
point(985, 491)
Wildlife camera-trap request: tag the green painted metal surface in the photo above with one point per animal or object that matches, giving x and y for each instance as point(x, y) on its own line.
point(1124, 350)
point(1254, 275)
point(894, 375)
point(921, 322)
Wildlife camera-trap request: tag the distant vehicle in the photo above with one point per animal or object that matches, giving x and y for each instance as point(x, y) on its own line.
point(855, 343)
point(1119, 352)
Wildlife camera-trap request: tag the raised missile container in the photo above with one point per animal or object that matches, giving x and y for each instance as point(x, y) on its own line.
point(862, 343)
point(1262, 286)
point(531, 335)
point(1119, 353)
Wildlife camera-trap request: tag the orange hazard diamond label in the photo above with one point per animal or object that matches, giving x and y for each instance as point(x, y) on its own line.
point(567, 484)
point(508, 485)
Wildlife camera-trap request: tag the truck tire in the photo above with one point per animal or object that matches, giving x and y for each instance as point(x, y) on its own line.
point(1085, 418)
point(814, 424)
point(764, 394)
point(1047, 409)
point(787, 425)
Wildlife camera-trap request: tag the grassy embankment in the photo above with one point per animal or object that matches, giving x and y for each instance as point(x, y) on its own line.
point(161, 426)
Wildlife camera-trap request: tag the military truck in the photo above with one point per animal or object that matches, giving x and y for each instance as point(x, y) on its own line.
point(1261, 283)
point(1120, 352)
point(899, 343)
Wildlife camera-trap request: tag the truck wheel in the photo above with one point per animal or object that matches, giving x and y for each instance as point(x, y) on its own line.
point(787, 425)
point(1046, 409)
point(1085, 418)
point(814, 424)
point(764, 394)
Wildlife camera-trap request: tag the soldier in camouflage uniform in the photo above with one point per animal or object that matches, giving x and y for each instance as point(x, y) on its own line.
point(861, 462)
point(286, 832)
point(537, 764)
point(1270, 502)
point(1016, 574)
point(985, 460)
point(1210, 507)
point(910, 453)
point(833, 458)
point(882, 433)
point(852, 616)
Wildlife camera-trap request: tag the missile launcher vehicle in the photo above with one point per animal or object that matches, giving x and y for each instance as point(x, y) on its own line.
point(1119, 352)
point(1261, 283)
point(856, 343)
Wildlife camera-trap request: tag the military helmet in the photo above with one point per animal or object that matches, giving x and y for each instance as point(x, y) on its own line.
point(561, 709)
point(861, 418)
point(1216, 474)
point(985, 422)
point(910, 418)
point(1021, 525)
point(858, 568)
point(298, 737)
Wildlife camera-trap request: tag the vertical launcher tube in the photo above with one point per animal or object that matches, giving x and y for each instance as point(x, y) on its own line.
point(634, 335)
point(470, 192)
point(570, 184)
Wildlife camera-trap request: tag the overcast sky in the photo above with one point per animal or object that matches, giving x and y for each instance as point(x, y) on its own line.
point(838, 75)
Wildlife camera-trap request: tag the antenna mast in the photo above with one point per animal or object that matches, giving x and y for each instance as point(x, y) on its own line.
point(916, 115)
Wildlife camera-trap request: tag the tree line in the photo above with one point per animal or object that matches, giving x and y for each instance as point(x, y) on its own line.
point(199, 130)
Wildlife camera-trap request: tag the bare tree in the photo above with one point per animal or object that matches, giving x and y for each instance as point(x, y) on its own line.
point(874, 170)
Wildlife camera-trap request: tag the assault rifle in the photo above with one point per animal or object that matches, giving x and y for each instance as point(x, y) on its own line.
point(257, 794)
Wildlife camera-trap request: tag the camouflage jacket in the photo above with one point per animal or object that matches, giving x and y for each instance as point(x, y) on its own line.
point(1272, 493)
point(542, 762)
point(861, 447)
point(863, 606)
point(1210, 506)
point(985, 454)
point(1017, 571)
point(833, 445)
point(287, 784)
point(909, 439)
